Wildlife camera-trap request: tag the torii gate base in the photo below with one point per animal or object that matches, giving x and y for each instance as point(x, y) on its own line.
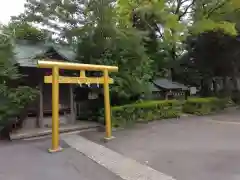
point(55, 79)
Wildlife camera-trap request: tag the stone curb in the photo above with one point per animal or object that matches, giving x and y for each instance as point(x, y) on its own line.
point(47, 132)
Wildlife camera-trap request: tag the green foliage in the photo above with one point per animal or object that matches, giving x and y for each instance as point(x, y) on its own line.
point(126, 115)
point(210, 25)
point(204, 106)
point(59, 17)
point(7, 69)
point(144, 38)
point(100, 36)
point(200, 67)
point(20, 30)
point(13, 99)
point(163, 30)
point(215, 15)
point(174, 20)
point(107, 40)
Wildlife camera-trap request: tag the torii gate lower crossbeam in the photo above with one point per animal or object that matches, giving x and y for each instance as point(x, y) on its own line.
point(55, 80)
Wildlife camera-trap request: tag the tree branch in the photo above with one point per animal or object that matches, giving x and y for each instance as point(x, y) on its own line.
point(186, 10)
point(212, 10)
point(179, 3)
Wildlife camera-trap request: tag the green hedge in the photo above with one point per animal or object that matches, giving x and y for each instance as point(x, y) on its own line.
point(126, 115)
point(204, 106)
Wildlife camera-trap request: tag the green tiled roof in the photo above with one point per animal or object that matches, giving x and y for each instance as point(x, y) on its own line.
point(66, 53)
point(168, 84)
point(26, 54)
point(152, 87)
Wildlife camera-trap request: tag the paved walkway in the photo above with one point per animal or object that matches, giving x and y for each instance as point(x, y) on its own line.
point(30, 161)
point(126, 168)
point(193, 148)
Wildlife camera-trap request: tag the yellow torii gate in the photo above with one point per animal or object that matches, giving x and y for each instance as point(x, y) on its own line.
point(55, 79)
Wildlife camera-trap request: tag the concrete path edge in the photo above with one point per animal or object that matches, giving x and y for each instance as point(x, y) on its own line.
point(124, 167)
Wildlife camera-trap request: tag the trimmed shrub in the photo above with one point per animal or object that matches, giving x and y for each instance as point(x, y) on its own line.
point(204, 106)
point(127, 115)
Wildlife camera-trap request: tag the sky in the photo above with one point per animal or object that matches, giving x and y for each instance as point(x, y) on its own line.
point(10, 8)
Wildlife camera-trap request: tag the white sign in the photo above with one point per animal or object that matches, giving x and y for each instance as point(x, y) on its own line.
point(92, 95)
point(193, 90)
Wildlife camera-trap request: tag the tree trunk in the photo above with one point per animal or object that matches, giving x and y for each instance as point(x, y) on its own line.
point(226, 88)
point(235, 83)
point(206, 87)
point(173, 56)
point(235, 78)
point(215, 87)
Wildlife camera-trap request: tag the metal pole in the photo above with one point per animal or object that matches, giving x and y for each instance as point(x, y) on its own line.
point(55, 111)
point(107, 107)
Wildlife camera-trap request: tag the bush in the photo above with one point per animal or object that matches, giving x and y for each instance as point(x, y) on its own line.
point(14, 100)
point(204, 106)
point(126, 115)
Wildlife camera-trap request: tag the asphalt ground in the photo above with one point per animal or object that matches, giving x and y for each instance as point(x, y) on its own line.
point(29, 160)
point(190, 148)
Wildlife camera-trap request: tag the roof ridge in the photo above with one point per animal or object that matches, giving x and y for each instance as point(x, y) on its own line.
point(26, 54)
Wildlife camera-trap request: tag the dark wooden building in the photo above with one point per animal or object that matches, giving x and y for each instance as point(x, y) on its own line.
point(163, 88)
point(39, 112)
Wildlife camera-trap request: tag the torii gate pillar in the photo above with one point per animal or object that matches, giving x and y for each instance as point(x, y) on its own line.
point(55, 79)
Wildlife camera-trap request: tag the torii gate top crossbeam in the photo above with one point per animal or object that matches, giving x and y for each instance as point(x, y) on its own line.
point(76, 66)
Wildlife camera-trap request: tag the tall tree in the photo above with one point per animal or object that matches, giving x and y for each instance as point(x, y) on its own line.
point(156, 29)
point(173, 20)
point(106, 39)
point(210, 54)
point(100, 35)
point(61, 18)
point(154, 18)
